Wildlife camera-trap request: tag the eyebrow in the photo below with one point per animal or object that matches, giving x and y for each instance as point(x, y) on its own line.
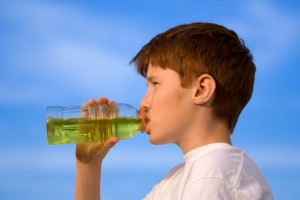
point(150, 78)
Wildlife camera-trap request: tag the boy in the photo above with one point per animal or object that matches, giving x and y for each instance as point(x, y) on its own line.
point(200, 76)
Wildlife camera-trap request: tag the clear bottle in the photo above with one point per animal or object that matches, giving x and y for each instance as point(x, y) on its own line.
point(77, 124)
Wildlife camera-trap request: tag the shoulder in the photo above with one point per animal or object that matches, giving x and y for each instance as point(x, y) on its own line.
point(231, 168)
point(222, 161)
point(216, 160)
point(163, 189)
point(174, 171)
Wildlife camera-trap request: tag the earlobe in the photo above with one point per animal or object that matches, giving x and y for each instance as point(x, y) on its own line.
point(204, 89)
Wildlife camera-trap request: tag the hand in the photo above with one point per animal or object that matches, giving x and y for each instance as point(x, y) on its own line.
point(95, 152)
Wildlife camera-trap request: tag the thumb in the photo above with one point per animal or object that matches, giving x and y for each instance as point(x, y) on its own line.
point(111, 142)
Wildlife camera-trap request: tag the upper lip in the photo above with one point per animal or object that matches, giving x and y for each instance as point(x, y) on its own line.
point(146, 113)
point(147, 120)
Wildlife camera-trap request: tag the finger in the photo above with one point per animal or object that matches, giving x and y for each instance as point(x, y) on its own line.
point(86, 152)
point(114, 107)
point(84, 110)
point(108, 145)
point(92, 102)
point(102, 100)
point(113, 140)
point(112, 104)
point(104, 110)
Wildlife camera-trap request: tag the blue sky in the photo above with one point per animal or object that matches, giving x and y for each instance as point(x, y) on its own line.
point(65, 52)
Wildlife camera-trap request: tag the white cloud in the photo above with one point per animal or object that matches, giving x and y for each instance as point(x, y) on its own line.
point(36, 159)
point(280, 157)
point(143, 159)
point(59, 47)
point(270, 32)
point(21, 94)
point(63, 159)
point(64, 46)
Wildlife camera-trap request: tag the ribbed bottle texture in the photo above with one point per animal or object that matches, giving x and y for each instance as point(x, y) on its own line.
point(77, 124)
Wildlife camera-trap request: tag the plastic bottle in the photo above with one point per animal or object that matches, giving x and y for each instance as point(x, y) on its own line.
point(78, 124)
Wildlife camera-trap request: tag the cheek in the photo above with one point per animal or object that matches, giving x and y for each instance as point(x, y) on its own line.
point(167, 112)
point(169, 102)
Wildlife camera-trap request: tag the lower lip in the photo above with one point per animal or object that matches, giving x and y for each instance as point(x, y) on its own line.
point(147, 128)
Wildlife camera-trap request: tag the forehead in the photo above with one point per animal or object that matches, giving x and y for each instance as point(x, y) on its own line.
point(157, 72)
point(153, 70)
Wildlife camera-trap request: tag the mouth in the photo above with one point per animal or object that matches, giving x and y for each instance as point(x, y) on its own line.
point(147, 121)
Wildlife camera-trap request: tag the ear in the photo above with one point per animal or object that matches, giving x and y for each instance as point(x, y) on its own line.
point(204, 89)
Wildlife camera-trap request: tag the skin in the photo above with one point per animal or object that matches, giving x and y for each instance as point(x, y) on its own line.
point(175, 115)
point(89, 157)
point(182, 115)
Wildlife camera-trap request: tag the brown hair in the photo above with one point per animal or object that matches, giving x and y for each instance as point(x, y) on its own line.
point(205, 48)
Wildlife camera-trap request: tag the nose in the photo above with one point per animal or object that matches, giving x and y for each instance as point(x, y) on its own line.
point(146, 101)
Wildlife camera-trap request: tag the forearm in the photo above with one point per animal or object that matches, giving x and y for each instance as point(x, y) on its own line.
point(89, 157)
point(87, 185)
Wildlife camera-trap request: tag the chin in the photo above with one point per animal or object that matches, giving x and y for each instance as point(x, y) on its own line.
point(153, 140)
point(157, 141)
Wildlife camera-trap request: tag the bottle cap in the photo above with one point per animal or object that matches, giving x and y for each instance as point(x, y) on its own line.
point(142, 114)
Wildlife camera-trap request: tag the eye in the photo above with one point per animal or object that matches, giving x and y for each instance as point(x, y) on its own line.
point(152, 83)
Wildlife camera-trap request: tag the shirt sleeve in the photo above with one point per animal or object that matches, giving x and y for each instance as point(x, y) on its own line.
point(162, 190)
point(207, 188)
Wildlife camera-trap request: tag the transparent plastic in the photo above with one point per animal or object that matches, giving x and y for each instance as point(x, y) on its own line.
point(77, 124)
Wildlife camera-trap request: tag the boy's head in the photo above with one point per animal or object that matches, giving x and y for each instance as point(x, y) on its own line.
point(205, 48)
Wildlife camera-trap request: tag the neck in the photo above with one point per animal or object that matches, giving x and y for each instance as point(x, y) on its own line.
point(205, 133)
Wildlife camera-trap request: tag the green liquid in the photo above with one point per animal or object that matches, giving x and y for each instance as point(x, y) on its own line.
point(77, 130)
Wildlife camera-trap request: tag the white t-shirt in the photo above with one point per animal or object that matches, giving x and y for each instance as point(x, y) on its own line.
point(213, 172)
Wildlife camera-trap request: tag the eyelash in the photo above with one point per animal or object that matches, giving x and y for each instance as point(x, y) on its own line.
point(152, 83)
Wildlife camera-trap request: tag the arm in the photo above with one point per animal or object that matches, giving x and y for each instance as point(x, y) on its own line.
point(89, 157)
point(87, 181)
point(88, 174)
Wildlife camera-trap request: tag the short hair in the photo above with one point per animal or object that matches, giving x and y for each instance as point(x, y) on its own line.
point(205, 48)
